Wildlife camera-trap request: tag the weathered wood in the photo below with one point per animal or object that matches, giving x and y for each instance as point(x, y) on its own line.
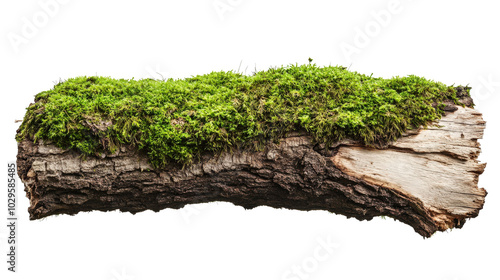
point(427, 179)
point(438, 166)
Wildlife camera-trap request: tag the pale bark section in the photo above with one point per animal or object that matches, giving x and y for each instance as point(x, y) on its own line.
point(437, 166)
point(455, 134)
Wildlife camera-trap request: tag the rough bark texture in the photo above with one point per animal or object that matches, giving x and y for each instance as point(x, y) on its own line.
point(427, 179)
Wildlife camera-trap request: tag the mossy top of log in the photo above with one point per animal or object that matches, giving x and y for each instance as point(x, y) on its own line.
point(178, 120)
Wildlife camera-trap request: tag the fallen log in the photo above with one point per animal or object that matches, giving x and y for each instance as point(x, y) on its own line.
point(427, 178)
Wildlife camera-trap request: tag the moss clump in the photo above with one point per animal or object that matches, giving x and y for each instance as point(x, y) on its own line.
point(177, 120)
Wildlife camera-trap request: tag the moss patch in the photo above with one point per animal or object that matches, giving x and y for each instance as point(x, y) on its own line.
point(177, 120)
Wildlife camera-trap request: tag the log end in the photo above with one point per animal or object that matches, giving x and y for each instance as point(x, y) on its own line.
point(436, 167)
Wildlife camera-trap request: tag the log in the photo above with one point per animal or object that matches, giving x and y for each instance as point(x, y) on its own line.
point(427, 179)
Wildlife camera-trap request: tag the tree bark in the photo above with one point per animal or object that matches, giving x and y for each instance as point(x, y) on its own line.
point(426, 179)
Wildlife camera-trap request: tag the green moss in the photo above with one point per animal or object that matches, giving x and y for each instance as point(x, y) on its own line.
point(177, 120)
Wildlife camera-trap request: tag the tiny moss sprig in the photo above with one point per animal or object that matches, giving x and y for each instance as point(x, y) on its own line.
point(177, 120)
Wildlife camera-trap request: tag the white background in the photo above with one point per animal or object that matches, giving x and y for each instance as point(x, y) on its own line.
point(455, 42)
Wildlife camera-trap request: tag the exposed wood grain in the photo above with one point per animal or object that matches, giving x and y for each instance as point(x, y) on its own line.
point(438, 166)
